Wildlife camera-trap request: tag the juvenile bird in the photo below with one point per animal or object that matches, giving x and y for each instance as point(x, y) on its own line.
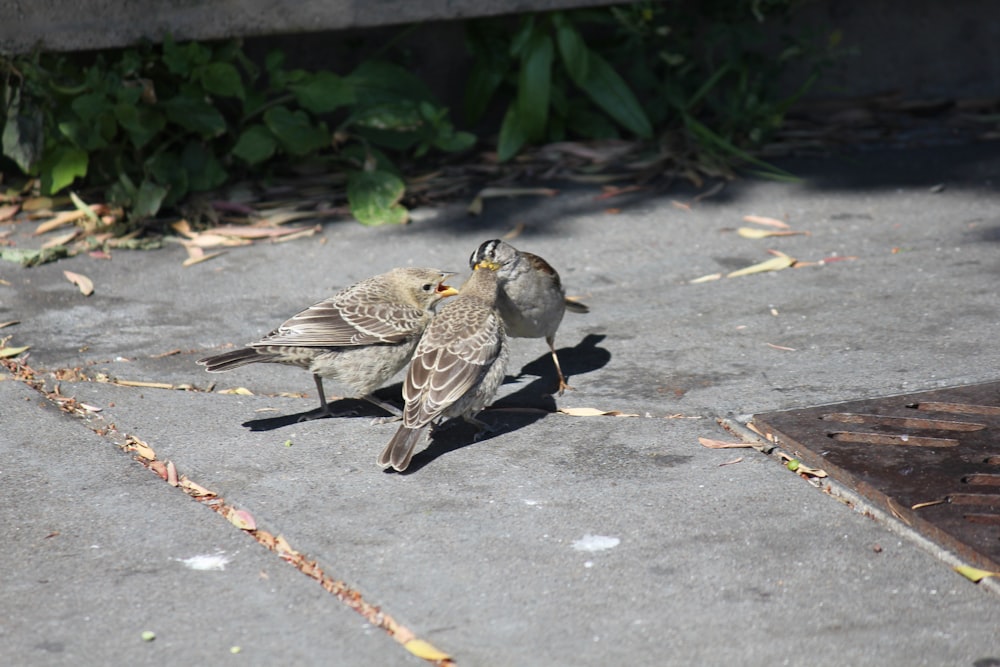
point(532, 300)
point(361, 336)
point(457, 367)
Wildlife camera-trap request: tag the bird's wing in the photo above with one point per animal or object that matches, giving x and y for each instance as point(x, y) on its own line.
point(445, 369)
point(333, 323)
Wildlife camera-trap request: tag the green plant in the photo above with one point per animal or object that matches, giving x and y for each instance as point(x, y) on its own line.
point(562, 86)
point(155, 123)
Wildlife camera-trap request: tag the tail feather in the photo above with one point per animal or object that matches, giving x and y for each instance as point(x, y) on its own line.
point(234, 359)
point(574, 306)
point(399, 451)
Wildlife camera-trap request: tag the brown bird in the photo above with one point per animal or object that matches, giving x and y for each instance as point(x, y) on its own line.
point(361, 336)
point(457, 367)
point(532, 300)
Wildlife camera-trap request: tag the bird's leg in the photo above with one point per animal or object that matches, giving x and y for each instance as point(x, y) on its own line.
point(563, 385)
point(396, 413)
point(324, 407)
point(482, 428)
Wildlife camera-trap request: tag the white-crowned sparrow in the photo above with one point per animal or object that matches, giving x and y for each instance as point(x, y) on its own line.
point(361, 336)
point(457, 367)
point(532, 300)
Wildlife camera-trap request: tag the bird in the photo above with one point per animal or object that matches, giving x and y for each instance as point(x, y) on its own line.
point(361, 336)
point(457, 367)
point(532, 300)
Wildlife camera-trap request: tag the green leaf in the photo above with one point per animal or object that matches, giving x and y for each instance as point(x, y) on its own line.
point(62, 167)
point(376, 82)
point(141, 123)
point(148, 200)
point(374, 197)
point(521, 38)
point(88, 106)
point(221, 79)
point(190, 110)
point(255, 145)
point(182, 60)
point(204, 171)
point(574, 52)
point(29, 257)
point(166, 169)
point(398, 116)
point(534, 86)
point(610, 92)
point(453, 142)
point(23, 133)
point(482, 84)
point(323, 92)
point(512, 137)
point(296, 131)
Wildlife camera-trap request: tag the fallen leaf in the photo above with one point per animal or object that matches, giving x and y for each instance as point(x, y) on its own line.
point(203, 257)
point(594, 412)
point(140, 383)
point(141, 448)
point(239, 391)
point(9, 352)
point(754, 233)
point(84, 208)
point(514, 233)
point(62, 239)
point(426, 650)
point(706, 279)
point(193, 488)
point(781, 347)
point(974, 574)
point(773, 264)
point(729, 463)
point(242, 520)
point(172, 474)
point(681, 205)
point(711, 443)
point(10, 323)
point(283, 548)
point(9, 211)
point(37, 203)
point(160, 468)
point(761, 220)
point(83, 282)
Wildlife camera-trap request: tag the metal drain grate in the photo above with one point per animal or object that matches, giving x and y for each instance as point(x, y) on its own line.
point(931, 458)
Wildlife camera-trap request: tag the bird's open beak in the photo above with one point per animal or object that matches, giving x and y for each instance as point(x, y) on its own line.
point(446, 290)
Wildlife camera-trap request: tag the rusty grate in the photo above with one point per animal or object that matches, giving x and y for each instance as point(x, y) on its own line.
point(932, 459)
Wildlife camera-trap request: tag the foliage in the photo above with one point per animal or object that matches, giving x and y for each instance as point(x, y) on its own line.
point(701, 69)
point(156, 123)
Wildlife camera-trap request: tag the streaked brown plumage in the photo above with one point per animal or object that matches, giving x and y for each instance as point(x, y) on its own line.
point(532, 300)
point(457, 367)
point(361, 336)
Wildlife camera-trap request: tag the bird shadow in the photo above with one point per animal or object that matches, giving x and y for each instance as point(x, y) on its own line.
point(344, 408)
point(529, 404)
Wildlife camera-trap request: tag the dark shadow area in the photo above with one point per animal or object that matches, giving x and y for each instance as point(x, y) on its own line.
point(342, 408)
point(524, 407)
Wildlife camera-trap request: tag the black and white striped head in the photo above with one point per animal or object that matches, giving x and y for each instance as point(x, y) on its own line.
point(496, 251)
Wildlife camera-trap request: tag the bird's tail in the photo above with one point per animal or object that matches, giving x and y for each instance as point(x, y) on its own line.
point(574, 306)
point(399, 451)
point(229, 360)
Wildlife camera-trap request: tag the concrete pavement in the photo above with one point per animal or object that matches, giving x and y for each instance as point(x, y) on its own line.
point(558, 540)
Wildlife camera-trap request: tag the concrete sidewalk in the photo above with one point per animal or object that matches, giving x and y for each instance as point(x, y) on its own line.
point(492, 551)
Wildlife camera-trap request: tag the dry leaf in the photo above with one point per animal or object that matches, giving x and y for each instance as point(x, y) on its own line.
point(83, 282)
point(514, 233)
point(773, 264)
point(61, 240)
point(140, 383)
point(242, 520)
point(974, 574)
point(761, 220)
point(425, 650)
point(781, 347)
point(200, 256)
point(754, 233)
point(10, 323)
point(64, 218)
point(706, 279)
point(734, 461)
point(141, 448)
point(160, 468)
point(594, 412)
point(9, 352)
point(719, 444)
point(172, 474)
point(194, 489)
point(475, 207)
point(283, 548)
point(9, 211)
point(84, 208)
point(37, 203)
point(240, 391)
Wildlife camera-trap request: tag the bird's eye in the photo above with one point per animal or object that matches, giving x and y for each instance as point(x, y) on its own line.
point(427, 287)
